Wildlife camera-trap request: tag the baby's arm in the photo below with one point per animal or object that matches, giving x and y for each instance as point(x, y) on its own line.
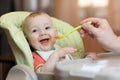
point(55, 57)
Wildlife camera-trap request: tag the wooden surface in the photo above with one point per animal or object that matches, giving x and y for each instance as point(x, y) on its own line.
point(6, 62)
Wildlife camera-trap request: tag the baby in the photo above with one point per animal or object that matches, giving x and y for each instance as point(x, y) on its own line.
point(40, 33)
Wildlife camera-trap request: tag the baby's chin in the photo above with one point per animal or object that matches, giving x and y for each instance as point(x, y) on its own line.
point(46, 48)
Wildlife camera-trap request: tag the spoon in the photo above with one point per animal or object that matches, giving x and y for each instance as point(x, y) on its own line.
point(72, 30)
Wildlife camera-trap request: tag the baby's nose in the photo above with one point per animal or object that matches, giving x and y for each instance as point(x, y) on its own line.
point(42, 32)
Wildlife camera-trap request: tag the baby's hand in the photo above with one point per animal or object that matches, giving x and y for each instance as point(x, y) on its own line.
point(92, 55)
point(60, 53)
point(55, 57)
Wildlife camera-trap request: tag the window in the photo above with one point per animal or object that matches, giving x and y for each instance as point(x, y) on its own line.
point(92, 8)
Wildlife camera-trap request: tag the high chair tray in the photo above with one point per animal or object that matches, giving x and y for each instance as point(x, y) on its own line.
point(107, 67)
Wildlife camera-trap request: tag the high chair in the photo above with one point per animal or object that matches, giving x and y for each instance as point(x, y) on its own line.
point(11, 24)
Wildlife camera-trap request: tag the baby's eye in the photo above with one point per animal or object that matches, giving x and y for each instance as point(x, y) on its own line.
point(47, 27)
point(35, 30)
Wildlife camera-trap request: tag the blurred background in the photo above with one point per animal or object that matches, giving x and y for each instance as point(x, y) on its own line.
point(71, 11)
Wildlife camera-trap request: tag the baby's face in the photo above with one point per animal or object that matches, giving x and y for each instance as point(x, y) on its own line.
point(40, 32)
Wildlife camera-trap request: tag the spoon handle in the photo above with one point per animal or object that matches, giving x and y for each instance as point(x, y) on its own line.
point(74, 29)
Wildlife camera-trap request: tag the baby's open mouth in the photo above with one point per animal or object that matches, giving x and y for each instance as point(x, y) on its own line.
point(44, 41)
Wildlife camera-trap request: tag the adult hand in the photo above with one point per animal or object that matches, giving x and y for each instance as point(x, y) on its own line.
point(101, 30)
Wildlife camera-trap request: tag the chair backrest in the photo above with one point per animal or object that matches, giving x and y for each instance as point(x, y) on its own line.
point(11, 24)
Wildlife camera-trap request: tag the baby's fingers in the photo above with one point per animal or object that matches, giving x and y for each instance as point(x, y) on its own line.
point(70, 50)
